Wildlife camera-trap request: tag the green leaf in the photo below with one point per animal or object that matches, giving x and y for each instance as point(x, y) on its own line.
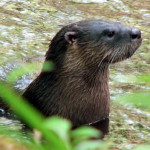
point(92, 145)
point(17, 73)
point(61, 127)
point(14, 75)
point(143, 78)
point(29, 115)
point(138, 99)
point(83, 133)
point(48, 66)
point(144, 147)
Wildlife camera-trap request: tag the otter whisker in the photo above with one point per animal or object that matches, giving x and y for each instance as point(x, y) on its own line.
point(114, 55)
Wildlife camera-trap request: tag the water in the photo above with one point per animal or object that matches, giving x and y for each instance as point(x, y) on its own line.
point(28, 26)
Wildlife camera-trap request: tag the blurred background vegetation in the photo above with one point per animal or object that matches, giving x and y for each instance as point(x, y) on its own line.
point(27, 26)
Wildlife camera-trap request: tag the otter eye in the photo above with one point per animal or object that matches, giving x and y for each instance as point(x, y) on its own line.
point(110, 34)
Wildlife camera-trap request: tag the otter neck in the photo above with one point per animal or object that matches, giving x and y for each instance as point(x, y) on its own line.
point(86, 93)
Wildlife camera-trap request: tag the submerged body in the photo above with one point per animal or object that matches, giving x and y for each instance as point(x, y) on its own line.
point(77, 89)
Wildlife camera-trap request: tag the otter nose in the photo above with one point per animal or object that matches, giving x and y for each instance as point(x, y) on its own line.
point(135, 34)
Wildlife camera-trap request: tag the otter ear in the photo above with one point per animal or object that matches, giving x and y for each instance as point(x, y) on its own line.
point(70, 37)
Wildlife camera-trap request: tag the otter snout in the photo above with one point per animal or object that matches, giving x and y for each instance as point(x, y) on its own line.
point(135, 34)
point(123, 41)
point(130, 34)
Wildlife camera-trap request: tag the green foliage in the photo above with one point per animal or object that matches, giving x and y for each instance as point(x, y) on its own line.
point(84, 133)
point(17, 73)
point(20, 106)
point(140, 99)
point(56, 132)
point(144, 78)
point(48, 66)
point(143, 147)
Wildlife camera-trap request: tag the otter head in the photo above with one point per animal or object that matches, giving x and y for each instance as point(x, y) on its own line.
point(94, 42)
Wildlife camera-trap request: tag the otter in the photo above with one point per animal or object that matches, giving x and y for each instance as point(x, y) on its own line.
point(77, 88)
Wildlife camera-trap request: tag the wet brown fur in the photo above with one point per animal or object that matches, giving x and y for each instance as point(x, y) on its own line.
point(77, 89)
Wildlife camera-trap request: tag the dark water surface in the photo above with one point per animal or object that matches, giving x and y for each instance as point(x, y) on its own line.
point(27, 26)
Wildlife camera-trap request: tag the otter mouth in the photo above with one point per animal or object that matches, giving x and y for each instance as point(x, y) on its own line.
point(124, 51)
point(133, 47)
